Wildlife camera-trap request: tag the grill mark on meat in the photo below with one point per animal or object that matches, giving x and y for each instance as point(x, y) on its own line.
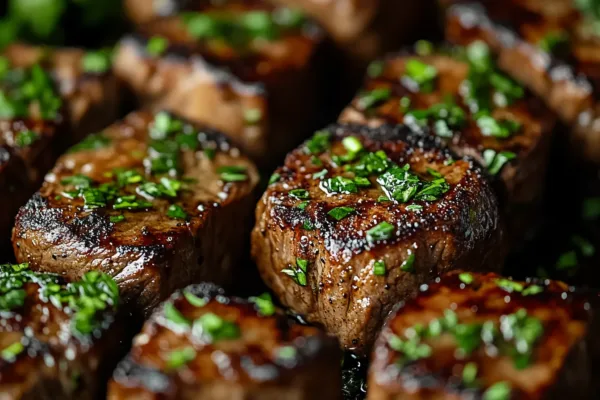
point(567, 316)
point(148, 253)
point(340, 256)
point(247, 363)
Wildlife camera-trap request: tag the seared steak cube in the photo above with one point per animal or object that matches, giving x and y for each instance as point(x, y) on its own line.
point(472, 335)
point(253, 75)
point(203, 344)
point(358, 218)
point(460, 96)
point(50, 98)
point(154, 201)
point(58, 340)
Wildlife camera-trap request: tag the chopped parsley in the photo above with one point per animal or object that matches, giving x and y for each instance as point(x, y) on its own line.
point(446, 117)
point(302, 205)
point(413, 207)
point(498, 391)
point(400, 184)
point(495, 161)
point(318, 143)
point(339, 184)
point(554, 42)
point(382, 231)
point(420, 74)
point(567, 261)
point(466, 278)
point(469, 374)
point(509, 285)
point(174, 316)
point(117, 218)
point(130, 202)
point(264, 304)
point(177, 212)
point(375, 69)
point(178, 358)
point(408, 265)
point(11, 352)
point(26, 138)
point(92, 142)
point(156, 46)
point(500, 129)
point(370, 99)
point(298, 273)
point(379, 268)
point(340, 213)
point(233, 173)
point(301, 194)
point(274, 178)
point(193, 299)
point(96, 62)
point(215, 328)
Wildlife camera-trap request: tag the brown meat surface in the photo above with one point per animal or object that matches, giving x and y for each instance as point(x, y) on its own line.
point(262, 93)
point(251, 350)
point(93, 213)
point(480, 335)
point(322, 266)
point(48, 348)
point(564, 75)
point(90, 101)
point(522, 178)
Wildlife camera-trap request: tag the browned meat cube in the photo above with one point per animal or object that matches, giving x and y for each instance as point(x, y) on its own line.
point(57, 340)
point(247, 68)
point(358, 218)
point(482, 336)
point(548, 45)
point(203, 344)
point(49, 99)
point(155, 202)
point(460, 96)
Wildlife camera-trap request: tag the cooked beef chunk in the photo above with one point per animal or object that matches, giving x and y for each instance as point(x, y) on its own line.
point(253, 75)
point(154, 201)
point(358, 218)
point(460, 96)
point(58, 340)
point(48, 101)
point(550, 47)
point(474, 336)
point(203, 344)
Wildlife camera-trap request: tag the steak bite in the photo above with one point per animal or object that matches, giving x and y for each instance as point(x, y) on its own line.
point(474, 335)
point(358, 218)
point(549, 46)
point(203, 344)
point(460, 96)
point(48, 100)
point(54, 336)
point(154, 201)
point(246, 67)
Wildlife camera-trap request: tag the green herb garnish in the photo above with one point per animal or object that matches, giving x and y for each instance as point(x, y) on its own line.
point(156, 46)
point(495, 161)
point(177, 212)
point(26, 138)
point(298, 274)
point(382, 231)
point(264, 304)
point(408, 265)
point(215, 328)
point(178, 358)
point(379, 268)
point(340, 213)
point(423, 75)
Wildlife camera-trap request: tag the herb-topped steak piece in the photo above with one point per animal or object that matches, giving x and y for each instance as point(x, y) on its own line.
point(460, 96)
point(483, 336)
point(358, 218)
point(54, 336)
point(203, 344)
point(551, 46)
point(244, 67)
point(155, 202)
point(48, 100)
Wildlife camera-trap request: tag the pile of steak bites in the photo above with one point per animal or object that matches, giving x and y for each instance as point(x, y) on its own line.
point(202, 212)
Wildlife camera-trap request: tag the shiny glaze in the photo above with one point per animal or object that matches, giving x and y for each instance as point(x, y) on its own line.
point(55, 362)
point(462, 228)
point(89, 103)
point(567, 83)
point(244, 367)
point(148, 254)
point(560, 364)
point(522, 179)
point(212, 83)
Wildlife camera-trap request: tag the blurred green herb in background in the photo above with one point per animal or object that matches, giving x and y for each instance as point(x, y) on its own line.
point(47, 21)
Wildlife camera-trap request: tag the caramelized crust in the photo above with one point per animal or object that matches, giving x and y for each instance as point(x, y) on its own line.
point(148, 252)
point(460, 229)
point(522, 179)
point(265, 355)
point(531, 337)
